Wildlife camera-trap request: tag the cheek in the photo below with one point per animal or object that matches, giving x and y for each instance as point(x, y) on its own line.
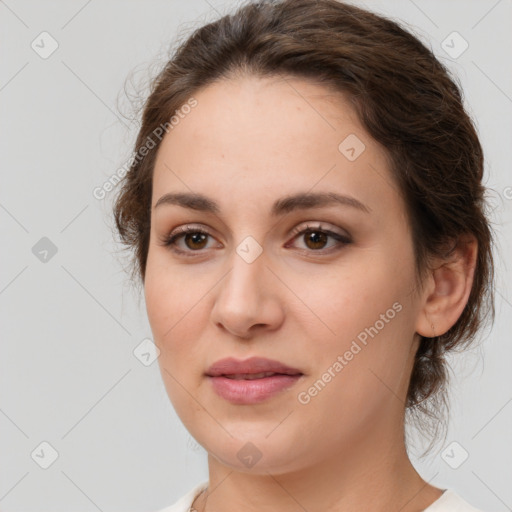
point(351, 298)
point(175, 313)
point(176, 309)
point(368, 316)
point(359, 376)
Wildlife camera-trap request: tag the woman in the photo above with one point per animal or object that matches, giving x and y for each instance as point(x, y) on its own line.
point(307, 219)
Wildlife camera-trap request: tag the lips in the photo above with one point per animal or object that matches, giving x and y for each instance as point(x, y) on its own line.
point(251, 376)
point(252, 368)
point(251, 381)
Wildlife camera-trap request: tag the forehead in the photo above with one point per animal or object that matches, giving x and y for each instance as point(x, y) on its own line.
point(261, 137)
point(275, 113)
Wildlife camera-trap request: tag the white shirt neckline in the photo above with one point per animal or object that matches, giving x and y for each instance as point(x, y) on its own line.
point(449, 501)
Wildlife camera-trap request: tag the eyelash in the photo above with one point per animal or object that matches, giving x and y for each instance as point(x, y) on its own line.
point(170, 240)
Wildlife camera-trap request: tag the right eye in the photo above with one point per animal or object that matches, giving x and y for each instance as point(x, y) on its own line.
point(194, 238)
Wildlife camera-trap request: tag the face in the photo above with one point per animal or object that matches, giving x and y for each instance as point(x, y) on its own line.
point(325, 287)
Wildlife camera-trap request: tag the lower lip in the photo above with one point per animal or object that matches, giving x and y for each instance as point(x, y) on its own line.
point(252, 391)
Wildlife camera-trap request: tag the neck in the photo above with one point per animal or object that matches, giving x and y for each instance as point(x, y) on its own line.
point(373, 473)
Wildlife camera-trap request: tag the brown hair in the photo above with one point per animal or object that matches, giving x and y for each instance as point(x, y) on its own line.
point(405, 99)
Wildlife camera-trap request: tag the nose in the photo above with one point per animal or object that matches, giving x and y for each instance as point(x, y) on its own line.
point(248, 299)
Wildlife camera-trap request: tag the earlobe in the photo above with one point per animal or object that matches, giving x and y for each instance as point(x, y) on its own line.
point(451, 281)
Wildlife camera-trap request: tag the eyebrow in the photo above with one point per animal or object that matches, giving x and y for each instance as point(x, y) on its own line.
point(303, 200)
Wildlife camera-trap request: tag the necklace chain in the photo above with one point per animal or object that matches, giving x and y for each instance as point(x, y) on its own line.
point(192, 508)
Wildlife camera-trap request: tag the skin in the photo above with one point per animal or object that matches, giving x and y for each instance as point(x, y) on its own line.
point(248, 142)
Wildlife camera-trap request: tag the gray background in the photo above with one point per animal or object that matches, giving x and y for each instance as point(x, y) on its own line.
point(70, 324)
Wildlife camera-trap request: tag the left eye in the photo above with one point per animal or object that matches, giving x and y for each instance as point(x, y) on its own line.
point(315, 238)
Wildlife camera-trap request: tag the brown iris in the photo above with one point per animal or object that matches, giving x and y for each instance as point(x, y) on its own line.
point(317, 238)
point(196, 238)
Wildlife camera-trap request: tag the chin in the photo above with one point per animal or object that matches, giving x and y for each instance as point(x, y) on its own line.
point(256, 452)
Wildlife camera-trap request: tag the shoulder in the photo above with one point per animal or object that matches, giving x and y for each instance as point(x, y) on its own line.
point(450, 501)
point(185, 502)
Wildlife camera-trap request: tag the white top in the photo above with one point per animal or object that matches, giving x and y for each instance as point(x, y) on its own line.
point(449, 501)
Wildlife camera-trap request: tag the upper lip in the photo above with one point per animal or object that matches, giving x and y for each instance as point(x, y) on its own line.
point(232, 366)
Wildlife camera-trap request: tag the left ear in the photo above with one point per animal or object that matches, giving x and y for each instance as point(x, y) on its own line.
point(447, 289)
